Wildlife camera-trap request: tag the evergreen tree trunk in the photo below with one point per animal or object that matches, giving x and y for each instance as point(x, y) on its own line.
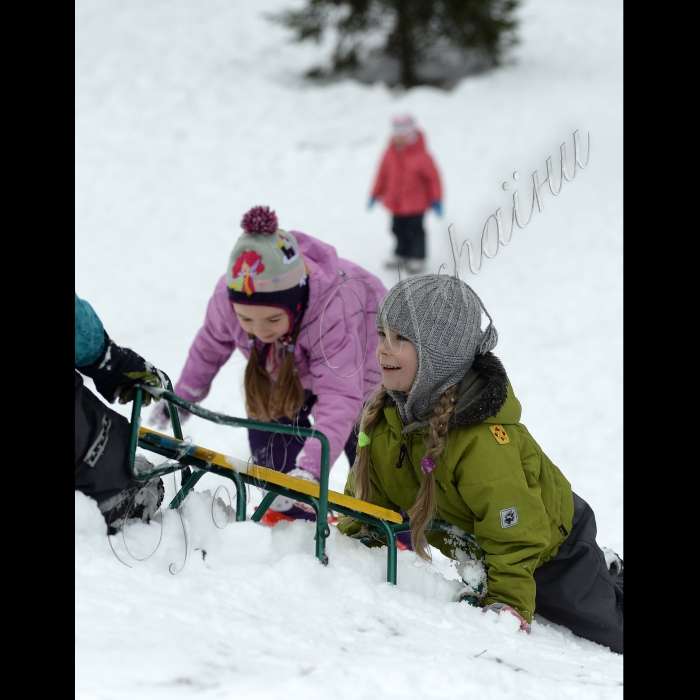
point(404, 29)
point(421, 36)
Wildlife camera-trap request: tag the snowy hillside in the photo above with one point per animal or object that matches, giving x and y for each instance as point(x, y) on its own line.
point(188, 113)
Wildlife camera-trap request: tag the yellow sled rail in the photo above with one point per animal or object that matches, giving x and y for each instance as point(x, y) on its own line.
point(195, 462)
point(262, 476)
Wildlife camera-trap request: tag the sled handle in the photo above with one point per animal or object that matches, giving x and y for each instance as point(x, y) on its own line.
point(167, 394)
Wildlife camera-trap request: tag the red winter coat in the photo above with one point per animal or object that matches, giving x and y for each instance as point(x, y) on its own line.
point(408, 181)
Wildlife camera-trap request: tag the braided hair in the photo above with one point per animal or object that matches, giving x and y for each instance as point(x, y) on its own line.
point(423, 510)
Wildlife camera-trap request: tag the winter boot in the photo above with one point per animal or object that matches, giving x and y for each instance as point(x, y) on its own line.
point(141, 464)
point(414, 266)
point(272, 517)
point(140, 502)
point(403, 541)
point(615, 565)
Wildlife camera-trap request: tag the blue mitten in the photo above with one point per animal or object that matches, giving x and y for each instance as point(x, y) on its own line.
point(437, 207)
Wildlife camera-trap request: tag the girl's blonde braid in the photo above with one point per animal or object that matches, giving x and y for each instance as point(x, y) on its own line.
point(370, 415)
point(423, 509)
point(360, 469)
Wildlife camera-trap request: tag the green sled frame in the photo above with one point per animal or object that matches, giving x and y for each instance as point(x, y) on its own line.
point(193, 468)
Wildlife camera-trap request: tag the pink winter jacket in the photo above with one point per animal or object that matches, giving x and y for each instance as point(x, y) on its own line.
point(407, 181)
point(335, 351)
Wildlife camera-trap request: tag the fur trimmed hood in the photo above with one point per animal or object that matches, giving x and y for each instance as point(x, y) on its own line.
point(482, 394)
point(489, 466)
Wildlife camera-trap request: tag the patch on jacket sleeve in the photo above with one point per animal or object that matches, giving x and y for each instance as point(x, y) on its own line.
point(509, 517)
point(499, 432)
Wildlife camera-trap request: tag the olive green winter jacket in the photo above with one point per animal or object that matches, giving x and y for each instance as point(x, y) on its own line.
point(492, 480)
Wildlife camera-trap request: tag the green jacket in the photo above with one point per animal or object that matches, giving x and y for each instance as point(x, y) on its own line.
point(492, 481)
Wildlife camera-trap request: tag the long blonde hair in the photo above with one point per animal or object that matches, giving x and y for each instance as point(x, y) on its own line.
point(267, 399)
point(423, 510)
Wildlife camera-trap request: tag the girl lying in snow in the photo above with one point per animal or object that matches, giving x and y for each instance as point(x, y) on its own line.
point(442, 439)
point(303, 317)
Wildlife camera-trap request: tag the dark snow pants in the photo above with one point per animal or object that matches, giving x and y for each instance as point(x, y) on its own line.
point(279, 452)
point(410, 236)
point(101, 444)
point(575, 588)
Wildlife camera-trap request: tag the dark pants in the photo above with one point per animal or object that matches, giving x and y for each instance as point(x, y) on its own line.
point(575, 588)
point(279, 452)
point(410, 236)
point(101, 445)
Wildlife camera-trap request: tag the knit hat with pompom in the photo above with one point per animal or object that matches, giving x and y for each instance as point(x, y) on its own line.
point(404, 125)
point(265, 267)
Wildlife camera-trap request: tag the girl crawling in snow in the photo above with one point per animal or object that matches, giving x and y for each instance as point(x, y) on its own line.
point(442, 439)
point(283, 304)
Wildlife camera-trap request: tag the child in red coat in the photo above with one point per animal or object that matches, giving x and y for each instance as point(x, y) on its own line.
point(408, 185)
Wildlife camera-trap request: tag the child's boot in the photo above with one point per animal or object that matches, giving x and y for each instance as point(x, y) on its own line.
point(615, 565)
point(140, 502)
point(414, 266)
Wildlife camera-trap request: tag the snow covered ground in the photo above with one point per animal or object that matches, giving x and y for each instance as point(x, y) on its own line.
point(189, 112)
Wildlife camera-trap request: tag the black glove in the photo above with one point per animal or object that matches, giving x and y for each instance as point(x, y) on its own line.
point(117, 371)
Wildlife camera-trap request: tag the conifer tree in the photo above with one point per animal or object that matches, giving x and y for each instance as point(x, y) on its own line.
point(407, 31)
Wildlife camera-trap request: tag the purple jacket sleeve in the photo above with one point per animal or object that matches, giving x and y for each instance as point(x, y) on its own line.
point(212, 346)
point(337, 357)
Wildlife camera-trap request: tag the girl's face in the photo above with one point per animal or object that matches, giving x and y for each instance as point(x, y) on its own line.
point(398, 360)
point(267, 323)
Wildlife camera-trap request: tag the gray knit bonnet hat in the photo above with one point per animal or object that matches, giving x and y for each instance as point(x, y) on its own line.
point(441, 316)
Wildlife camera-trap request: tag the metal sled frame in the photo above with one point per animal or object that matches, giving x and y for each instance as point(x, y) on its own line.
point(203, 461)
point(194, 462)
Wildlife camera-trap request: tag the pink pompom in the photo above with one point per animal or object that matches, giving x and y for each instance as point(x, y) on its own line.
point(260, 220)
point(427, 465)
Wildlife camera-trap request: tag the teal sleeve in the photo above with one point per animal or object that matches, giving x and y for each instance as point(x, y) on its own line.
point(89, 334)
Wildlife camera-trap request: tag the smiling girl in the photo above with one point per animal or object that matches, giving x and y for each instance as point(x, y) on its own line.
point(304, 318)
point(442, 439)
point(398, 361)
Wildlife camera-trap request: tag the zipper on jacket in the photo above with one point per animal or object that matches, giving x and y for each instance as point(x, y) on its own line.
point(404, 450)
point(410, 464)
point(402, 454)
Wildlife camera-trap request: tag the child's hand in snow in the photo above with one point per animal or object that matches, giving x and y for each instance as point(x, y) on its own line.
point(498, 608)
point(307, 476)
